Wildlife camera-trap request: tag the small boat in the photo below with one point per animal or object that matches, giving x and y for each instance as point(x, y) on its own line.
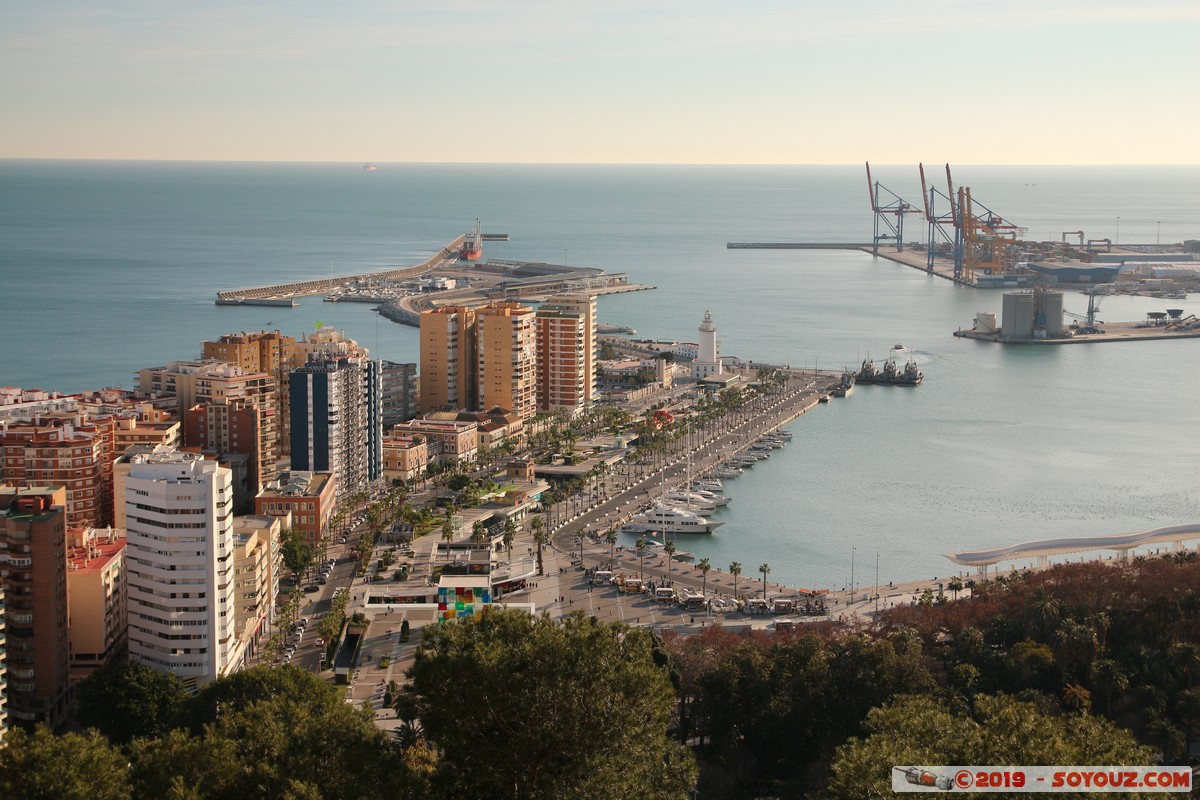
point(898, 347)
point(707, 485)
point(727, 472)
point(824, 397)
point(369, 167)
point(783, 434)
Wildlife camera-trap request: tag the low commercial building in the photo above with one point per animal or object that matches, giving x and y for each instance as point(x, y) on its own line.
point(308, 496)
point(404, 457)
point(456, 441)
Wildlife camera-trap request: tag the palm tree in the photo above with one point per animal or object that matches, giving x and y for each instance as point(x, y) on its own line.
point(478, 531)
point(704, 566)
point(1108, 677)
point(669, 549)
point(765, 569)
point(610, 536)
point(1077, 698)
point(510, 533)
point(640, 546)
point(447, 535)
point(539, 538)
point(735, 569)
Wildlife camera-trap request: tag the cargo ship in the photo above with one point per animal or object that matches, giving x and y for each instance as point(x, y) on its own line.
point(472, 246)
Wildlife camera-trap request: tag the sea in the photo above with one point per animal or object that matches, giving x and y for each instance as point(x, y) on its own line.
point(109, 267)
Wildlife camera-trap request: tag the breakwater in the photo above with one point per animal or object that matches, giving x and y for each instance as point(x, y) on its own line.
point(286, 291)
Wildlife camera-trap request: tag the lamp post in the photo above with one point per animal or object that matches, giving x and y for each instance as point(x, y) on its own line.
point(852, 551)
point(1158, 232)
point(1117, 239)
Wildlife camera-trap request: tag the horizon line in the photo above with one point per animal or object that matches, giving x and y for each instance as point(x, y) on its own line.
point(585, 163)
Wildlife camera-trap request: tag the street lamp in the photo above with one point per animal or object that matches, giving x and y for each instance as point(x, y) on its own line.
point(1117, 239)
point(1158, 232)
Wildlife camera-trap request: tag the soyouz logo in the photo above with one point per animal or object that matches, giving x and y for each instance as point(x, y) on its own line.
point(1019, 780)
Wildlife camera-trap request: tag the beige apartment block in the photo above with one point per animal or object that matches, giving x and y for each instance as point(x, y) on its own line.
point(507, 358)
point(97, 596)
point(448, 356)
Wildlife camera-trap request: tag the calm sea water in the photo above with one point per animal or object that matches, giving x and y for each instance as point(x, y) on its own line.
point(109, 267)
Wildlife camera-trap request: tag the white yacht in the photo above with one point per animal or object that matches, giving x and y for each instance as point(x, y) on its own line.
point(692, 501)
point(708, 485)
point(666, 519)
point(713, 497)
point(727, 471)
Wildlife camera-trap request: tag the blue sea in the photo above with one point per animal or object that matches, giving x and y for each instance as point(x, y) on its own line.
point(109, 267)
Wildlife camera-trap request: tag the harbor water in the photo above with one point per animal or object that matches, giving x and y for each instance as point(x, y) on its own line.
point(110, 267)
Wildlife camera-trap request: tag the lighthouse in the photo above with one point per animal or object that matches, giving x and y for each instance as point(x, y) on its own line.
point(708, 356)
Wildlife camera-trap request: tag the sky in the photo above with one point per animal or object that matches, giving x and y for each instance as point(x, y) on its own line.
point(603, 81)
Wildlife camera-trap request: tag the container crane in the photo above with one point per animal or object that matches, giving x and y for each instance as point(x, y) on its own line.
point(889, 210)
point(944, 225)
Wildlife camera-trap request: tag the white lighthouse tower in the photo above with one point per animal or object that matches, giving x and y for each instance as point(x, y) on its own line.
point(708, 357)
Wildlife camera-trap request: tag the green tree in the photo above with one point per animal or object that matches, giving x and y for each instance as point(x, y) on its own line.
point(669, 550)
point(765, 569)
point(124, 699)
point(37, 765)
point(297, 551)
point(640, 546)
point(602, 704)
point(271, 733)
point(610, 536)
point(705, 567)
point(999, 730)
point(735, 569)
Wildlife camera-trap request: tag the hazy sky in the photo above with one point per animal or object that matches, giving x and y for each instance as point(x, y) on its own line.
point(701, 81)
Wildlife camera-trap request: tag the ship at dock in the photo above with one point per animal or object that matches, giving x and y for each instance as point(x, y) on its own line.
point(891, 374)
point(472, 246)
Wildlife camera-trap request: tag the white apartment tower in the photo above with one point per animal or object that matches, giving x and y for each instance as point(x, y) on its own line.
point(180, 561)
point(708, 357)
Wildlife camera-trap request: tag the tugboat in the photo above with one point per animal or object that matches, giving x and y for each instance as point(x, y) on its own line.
point(890, 373)
point(867, 374)
point(911, 375)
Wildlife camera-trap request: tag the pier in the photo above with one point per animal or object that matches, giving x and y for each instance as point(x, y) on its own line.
point(796, 245)
point(284, 294)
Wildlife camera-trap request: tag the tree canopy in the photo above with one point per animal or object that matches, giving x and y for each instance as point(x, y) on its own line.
point(522, 707)
point(998, 729)
point(125, 699)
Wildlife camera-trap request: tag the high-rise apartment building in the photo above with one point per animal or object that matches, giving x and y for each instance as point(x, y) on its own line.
point(507, 371)
point(69, 450)
point(97, 595)
point(221, 383)
point(566, 353)
point(399, 392)
point(337, 420)
point(258, 559)
point(3, 670)
point(448, 359)
point(33, 539)
point(261, 351)
point(180, 560)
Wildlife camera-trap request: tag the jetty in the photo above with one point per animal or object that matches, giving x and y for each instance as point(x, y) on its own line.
point(284, 294)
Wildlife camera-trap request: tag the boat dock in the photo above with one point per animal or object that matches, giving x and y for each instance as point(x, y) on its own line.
point(1112, 332)
point(796, 245)
point(284, 294)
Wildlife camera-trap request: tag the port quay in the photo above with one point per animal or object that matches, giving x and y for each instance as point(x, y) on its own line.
point(285, 294)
